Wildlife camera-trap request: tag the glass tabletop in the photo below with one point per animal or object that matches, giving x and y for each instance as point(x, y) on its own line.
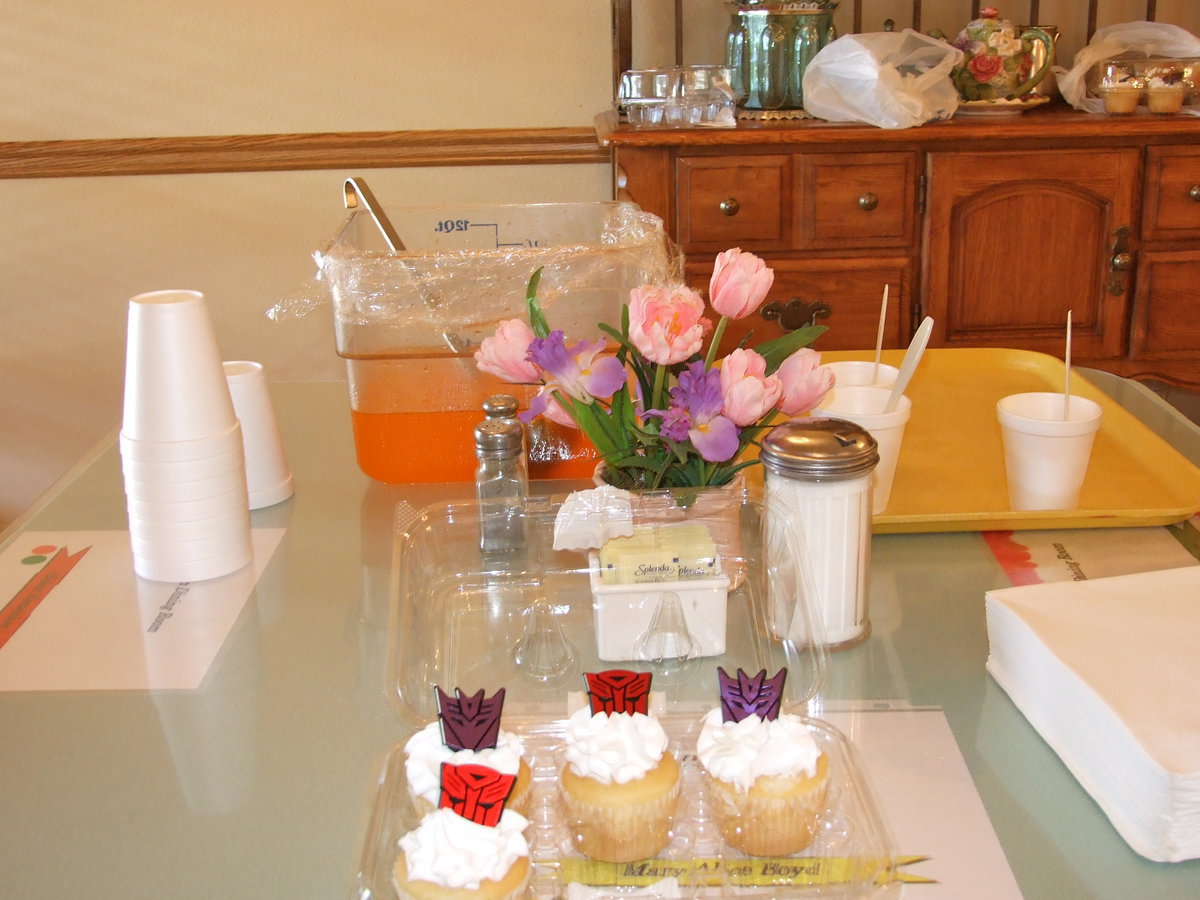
point(259, 783)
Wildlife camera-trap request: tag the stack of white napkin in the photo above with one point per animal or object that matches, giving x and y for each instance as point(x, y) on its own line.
point(1108, 672)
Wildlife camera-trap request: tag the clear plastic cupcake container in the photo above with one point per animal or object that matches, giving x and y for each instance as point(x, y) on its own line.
point(525, 621)
point(1159, 84)
point(679, 97)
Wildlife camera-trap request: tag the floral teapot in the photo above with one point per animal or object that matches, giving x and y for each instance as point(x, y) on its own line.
point(998, 62)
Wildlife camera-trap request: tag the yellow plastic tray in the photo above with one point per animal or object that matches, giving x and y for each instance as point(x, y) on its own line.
point(950, 476)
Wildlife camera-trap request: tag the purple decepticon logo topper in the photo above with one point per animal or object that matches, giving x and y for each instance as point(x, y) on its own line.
point(748, 695)
point(470, 723)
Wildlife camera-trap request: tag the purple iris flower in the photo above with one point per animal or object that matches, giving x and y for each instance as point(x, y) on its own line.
point(578, 370)
point(698, 398)
point(676, 422)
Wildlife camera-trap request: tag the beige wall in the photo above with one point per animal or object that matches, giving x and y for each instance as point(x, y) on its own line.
point(75, 250)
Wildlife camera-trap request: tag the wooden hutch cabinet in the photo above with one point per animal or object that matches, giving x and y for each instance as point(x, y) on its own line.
point(995, 226)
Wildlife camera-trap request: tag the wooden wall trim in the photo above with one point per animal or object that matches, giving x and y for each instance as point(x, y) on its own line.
point(283, 152)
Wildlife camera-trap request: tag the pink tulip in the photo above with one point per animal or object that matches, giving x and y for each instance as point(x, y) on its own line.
point(804, 380)
point(504, 353)
point(553, 410)
point(666, 323)
point(739, 284)
point(748, 391)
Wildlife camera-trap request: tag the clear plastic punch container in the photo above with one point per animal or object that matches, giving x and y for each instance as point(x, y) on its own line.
point(528, 622)
point(416, 289)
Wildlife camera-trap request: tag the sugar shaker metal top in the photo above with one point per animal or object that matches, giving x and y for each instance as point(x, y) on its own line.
point(819, 449)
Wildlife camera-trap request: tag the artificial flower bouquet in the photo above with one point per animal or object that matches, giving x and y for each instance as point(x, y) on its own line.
point(663, 411)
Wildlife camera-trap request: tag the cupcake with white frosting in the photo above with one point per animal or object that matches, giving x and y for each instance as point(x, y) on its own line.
point(467, 732)
point(620, 783)
point(766, 777)
point(470, 847)
point(1164, 95)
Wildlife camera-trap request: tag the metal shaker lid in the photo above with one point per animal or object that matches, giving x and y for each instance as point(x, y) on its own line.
point(501, 434)
point(819, 449)
point(500, 406)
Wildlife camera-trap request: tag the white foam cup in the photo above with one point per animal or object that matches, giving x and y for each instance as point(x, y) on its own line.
point(231, 502)
point(863, 405)
point(194, 549)
point(1046, 454)
point(217, 445)
point(155, 531)
point(175, 388)
point(856, 373)
point(211, 488)
point(158, 564)
point(268, 478)
point(223, 465)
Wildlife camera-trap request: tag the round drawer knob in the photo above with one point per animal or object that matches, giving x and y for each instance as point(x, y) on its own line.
point(729, 206)
point(1122, 262)
point(1194, 193)
point(868, 201)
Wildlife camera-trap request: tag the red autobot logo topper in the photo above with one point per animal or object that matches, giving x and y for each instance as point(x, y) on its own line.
point(618, 691)
point(470, 723)
point(475, 792)
point(750, 695)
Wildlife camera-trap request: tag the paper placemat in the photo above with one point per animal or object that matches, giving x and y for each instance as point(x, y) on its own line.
point(75, 616)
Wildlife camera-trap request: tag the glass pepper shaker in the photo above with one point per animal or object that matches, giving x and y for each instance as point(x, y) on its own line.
point(501, 475)
point(818, 473)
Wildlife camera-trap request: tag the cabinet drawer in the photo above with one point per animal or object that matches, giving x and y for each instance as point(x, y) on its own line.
point(844, 293)
point(859, 200)
point(1164, 321)
point(1172, 193)
point(733, 201)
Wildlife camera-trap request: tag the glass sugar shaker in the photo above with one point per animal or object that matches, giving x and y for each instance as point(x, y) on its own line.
point(501, 475)
point(818, 474)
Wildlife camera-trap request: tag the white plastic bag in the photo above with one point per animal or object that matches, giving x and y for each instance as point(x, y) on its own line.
point(890, 79)
point(1150, 38)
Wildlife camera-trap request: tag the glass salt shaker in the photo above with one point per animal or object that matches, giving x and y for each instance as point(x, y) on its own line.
point(501, 475)
point(818, 474)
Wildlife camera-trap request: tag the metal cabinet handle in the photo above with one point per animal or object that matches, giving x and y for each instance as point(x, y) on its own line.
point(1194, 193)
point(1121, 260)
point(729, 206)
point(868, 201)
point(796, 313)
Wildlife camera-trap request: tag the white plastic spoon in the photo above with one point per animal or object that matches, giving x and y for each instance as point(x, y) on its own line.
point(879, 335)
point(1067, 373)
point(912, 356)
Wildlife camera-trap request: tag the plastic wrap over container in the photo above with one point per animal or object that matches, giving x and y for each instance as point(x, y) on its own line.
point(526, 622)
point(407, 321)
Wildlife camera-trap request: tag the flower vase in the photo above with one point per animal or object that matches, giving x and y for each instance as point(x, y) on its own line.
point(718, 508)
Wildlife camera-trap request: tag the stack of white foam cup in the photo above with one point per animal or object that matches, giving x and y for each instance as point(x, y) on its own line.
point(181, 445)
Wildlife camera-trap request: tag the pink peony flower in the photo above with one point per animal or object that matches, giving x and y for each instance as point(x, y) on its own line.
point(665, 324)
point(739, 284)
point(804, 380)
point(503, 354)
point(748, 391)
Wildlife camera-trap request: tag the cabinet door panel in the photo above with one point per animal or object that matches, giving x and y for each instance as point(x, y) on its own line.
point(1015, 240)
point(845, 292)
point(734, 201)
point(1166, 307)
